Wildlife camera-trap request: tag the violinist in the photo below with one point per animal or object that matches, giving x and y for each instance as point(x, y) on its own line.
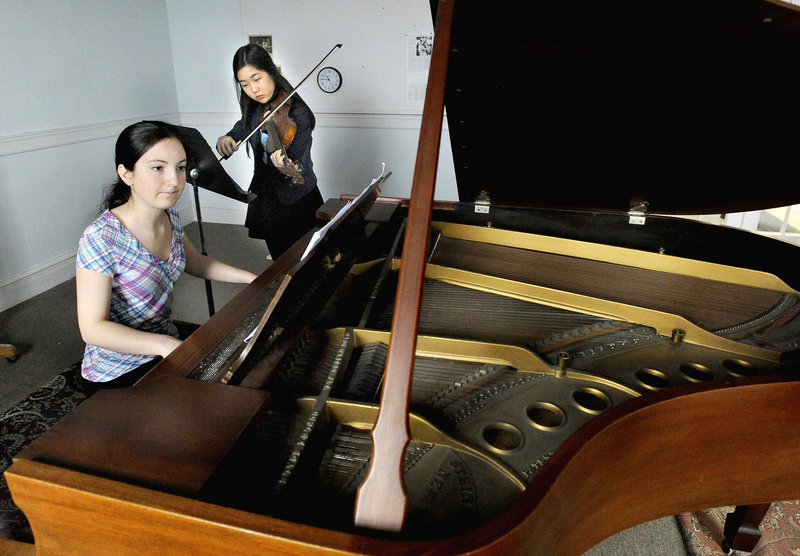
point(284, 182)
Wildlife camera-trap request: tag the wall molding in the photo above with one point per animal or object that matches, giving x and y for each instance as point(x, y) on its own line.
point(51, 138)
point(23, 286)
point(408, 120)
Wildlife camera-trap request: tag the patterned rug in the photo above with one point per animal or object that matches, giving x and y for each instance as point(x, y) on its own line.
point(20, 425)
point(780, 531)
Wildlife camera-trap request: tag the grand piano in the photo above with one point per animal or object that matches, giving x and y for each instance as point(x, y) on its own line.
point(568, 357)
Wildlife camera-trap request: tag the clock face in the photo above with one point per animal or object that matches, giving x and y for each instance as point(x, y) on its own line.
point(329, 79)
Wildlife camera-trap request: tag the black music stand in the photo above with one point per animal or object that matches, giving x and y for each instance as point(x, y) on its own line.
point(204, 170)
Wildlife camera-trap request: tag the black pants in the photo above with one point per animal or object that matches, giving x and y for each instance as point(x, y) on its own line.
point(282, 225)
point(123, 381)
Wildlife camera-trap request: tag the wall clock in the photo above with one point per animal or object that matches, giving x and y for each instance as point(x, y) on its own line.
point(329, 79)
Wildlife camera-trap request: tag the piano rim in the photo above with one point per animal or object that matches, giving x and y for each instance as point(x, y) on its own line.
point(39, 487)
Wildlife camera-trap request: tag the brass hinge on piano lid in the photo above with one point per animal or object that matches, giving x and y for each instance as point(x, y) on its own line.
point(638, 213)
point(482, 202)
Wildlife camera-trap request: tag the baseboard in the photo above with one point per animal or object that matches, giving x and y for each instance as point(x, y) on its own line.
point(37, 280)
point(221, 215)
point(217, 214)
point(49, 274)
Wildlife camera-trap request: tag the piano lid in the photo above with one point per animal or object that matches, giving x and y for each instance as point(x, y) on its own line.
point(687, 104)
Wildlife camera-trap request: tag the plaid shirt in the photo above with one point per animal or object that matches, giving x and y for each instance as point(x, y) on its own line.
point(141, 288)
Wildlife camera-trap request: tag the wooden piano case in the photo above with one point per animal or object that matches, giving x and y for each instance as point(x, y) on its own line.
point(584, 362)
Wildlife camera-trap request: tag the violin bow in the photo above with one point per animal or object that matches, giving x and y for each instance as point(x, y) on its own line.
point(289, 95)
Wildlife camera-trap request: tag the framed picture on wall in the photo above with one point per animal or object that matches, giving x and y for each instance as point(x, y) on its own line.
point(264, 41)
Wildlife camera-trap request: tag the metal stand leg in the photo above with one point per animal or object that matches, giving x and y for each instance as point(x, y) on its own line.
point(209, 293)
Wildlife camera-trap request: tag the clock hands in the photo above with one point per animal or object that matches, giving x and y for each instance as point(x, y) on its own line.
point(329, 79)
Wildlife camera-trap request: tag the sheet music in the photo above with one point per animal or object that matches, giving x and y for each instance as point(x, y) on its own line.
point(319, 234)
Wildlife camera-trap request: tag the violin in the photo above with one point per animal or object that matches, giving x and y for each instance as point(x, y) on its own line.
point(281, 130)
point(275, 108)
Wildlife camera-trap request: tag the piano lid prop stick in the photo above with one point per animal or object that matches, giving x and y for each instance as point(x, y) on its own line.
point(289, 95)
point(381, 501)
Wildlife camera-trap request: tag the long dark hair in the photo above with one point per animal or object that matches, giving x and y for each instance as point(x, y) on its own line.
point(132, 143)
point(255, 55)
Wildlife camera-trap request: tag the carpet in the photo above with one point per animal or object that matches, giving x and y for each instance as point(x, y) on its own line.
point(20, 425)
point(780, 531)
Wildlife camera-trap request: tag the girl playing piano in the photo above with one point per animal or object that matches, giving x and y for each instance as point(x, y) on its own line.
point(130, 257)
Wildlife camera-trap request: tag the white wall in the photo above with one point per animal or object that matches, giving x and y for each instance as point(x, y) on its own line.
point(75, 72)
point(75, 62)
point(366, 123)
